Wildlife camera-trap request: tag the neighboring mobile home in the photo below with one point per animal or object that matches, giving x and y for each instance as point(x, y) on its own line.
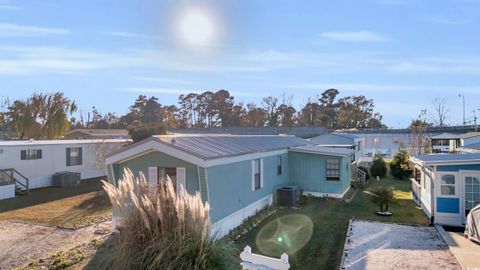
point(447, 187)
point(38, 161)
point(236, 174)
point(93, 133)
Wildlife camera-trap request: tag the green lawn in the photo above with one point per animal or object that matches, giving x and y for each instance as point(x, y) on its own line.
point(320, 246)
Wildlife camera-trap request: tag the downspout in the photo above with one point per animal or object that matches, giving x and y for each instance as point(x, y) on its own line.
point(432, 196)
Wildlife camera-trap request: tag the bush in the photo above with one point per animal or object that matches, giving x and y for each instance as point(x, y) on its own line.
point(143, 131)
point(382, 196)
point(399, 167)
point(161, 229)
point(379, 168)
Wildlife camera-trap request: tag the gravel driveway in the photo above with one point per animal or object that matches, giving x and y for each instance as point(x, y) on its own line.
point(22, 243)
point(375, 245)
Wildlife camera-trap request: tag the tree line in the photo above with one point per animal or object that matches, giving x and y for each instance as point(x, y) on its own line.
point(48, 116)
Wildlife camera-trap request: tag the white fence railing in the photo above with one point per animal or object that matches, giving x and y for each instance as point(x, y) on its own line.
point(416, 191)
point(252, 261)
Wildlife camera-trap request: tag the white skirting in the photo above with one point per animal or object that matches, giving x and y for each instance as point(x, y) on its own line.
point(223, 226)
point(7, 191)
point(329, 195)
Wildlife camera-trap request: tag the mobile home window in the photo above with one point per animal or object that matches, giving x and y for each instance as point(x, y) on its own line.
point(31, 154)
point(279, 165)
point(257, 174)
point(447, 185)
point(74, 156)
point(333, 169)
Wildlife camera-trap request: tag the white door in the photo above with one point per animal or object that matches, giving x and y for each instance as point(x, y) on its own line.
point(471, 192)
point(181, 178)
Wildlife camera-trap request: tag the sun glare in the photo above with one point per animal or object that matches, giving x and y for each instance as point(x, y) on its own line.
point(196, 28)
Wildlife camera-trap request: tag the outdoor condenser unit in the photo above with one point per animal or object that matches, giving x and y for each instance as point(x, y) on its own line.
point(66, 179)
point(288, 195)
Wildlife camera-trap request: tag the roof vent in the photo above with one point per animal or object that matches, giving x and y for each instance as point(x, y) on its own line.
point(30, 140)
point(172, 141)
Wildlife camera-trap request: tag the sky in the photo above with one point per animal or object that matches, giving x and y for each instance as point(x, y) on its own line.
point(402, 54)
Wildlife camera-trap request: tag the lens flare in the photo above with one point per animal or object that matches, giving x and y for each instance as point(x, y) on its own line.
point(288, 233)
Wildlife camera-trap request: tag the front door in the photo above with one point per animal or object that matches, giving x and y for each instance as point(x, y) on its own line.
point(472, 192)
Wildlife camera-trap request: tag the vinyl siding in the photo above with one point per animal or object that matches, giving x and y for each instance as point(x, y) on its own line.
point(230, 185)
point(157, 159)
point(308, 171)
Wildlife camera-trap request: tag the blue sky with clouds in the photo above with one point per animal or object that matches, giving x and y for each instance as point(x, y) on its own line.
point(401, 53)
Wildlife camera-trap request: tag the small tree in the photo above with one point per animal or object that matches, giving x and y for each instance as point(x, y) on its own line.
point(379, 168)
point(399, 167)
point(383, 197)
point(142, 131)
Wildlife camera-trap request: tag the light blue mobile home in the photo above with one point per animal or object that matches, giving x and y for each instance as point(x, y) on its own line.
point(447, 186)
point(236, 174)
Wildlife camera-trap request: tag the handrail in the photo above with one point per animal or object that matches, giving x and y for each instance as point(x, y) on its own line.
point(7, 179)
point(14, 179)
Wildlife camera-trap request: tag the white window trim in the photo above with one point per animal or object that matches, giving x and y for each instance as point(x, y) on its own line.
point(439, 189)
point(253, 174)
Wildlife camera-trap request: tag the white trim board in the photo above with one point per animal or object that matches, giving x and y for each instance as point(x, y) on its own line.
point(329, 195)
point(153, 145)
point(224, 225)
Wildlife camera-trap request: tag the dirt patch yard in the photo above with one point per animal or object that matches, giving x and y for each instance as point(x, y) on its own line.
point(49, 221)
point(376, 245)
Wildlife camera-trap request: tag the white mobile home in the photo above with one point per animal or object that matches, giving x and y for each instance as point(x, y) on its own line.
point(35, 162)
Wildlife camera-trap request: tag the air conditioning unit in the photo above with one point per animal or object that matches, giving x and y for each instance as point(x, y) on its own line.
point(288, 196)
point(66, 179)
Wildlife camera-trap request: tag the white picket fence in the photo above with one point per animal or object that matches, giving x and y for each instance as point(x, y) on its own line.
point(252, 261)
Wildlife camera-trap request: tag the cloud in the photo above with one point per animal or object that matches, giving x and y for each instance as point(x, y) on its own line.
point(159, 90)
point(132, 35)
point(448, 20)
point(163, 80)
point(178, 91)
point(9, 7)
point(356, 36)
point(15, 30)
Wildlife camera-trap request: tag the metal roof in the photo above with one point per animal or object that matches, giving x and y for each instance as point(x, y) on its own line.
point(95, 131)
point(334, 139)
point(448, 158)
point(445, 136)
point(59, 142)
point(209, 146)
point(469, 135)
point(322, 150)
point(474, 146)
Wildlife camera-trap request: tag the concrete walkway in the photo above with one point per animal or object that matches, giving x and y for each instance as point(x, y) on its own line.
point(466, 252)
point(375, 245)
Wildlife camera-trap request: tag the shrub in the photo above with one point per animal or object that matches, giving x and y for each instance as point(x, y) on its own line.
point(382, 196)
point(164, 229)
point(399, 167)
point(379, 168)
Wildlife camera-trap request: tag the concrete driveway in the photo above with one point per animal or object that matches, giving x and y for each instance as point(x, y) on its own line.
point(375, 245)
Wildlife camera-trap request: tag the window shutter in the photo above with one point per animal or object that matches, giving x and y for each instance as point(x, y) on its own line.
point(79, 156)
point(39, 153)
point(153, 175)
point(23, 154)
point(181, 178)
point(68, 156)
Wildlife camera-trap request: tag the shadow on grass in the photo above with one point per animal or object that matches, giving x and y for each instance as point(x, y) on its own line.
point(45, 195)
point(93, 210)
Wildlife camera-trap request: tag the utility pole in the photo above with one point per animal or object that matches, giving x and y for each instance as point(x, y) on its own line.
point(463, 97)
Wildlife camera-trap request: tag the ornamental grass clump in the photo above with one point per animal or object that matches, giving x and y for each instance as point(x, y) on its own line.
point(161, 228)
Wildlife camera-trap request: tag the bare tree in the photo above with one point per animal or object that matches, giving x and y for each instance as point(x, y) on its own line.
point(440, 111)
point(102, 150)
